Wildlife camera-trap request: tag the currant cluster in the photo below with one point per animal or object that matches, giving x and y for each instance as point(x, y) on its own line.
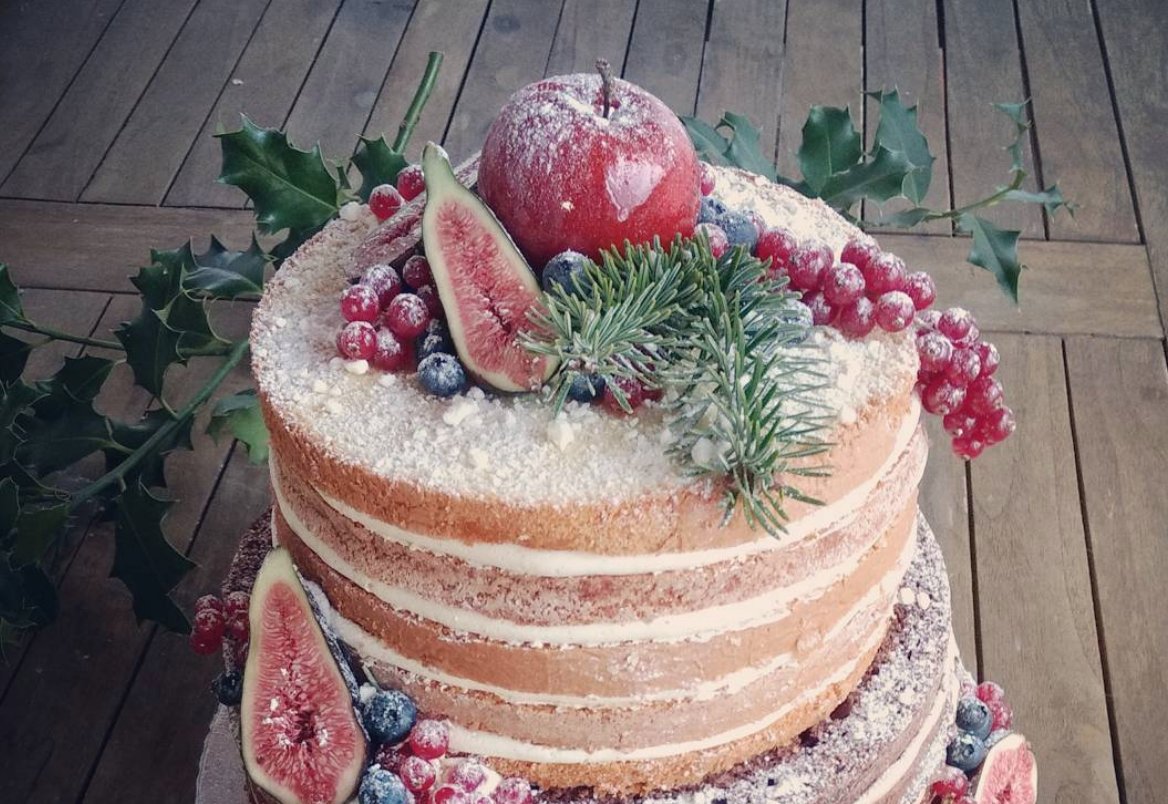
point(983, 719)
point(385, 199)
point(217, 620)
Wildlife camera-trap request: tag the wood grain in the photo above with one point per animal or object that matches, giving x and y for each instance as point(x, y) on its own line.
point(665, 52)
point(1119, 394)
point(591, 30)
point(1038, 633)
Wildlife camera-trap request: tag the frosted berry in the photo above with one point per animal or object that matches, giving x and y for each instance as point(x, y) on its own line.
point(357, 340)
point(633, 391)
point(921, 288)
point(429, 297)
point(708, 178)
point(567, 270)
point(235, 613)
point(513, 790)
point(739, 228)
point(935, 350)
point(417, 774)
point(385, 201)
point(959, 424)
point(430, 739)
point(952, 782)
point(207, 631)
point(989, 357)
point(964, 367)
point(968, 447)
point(883, 275)
point(928, 319)
point(416, 272)
point(382, 786)
point(997, 427)
point(856, 319)
point(468, 774)
point(955, 323)
point(1002, 714)
point(710, 209)
point(990, 692)
point(407, 316)
point(776, 245)
point(585, 388)
point(442, 375)
point(719, 243)
point(894, 311)
point(449, 794)
point(391, 352)
point(822, 311)
point(388, 716)
point(433, 343)
point(974, 716)
point(360, 303)
point(810, 261)
point(208, 602)
point(410, 182)
point(984, 395)
point(384, 281)
point(843, 284)
point(859, 252)
point(942, 397)
point(392, 757)
point(228, 687)
point(965, 752)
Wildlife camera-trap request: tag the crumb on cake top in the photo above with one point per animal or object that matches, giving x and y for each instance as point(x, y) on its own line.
point(512, 448)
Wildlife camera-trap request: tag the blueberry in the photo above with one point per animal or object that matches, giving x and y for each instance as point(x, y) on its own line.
point(739, 228)
point(441, 374)
point(966, 752)
point(567, 270)
point(433, 343)
point(228, 688)
point(381, 786)
point(586, 388)
point(710, 210)
point(389, 715)
point(974, 717)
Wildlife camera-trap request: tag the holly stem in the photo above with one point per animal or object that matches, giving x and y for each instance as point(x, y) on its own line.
point(58, 335)
point(421, 95)
point(605, 71)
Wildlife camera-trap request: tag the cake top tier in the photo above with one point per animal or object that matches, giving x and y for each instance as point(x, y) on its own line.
point(515, 449)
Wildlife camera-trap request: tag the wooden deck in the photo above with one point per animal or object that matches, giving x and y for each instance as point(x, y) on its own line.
point(1057, 541)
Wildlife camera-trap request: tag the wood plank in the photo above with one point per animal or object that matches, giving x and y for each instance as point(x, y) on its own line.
point(1119, 397)
point(334, 105)
point(96, 247)
point(45, 44)
point(1141, 97)
point(449, 26)
point(68, 149)
point(591, 30)
point(902, 50)
point(1078, 140)
point(1038, 634)
point(823, 65)
point(143, 160)
point(263, 86)
point(512, 51)
point(665, 52)
point(743, 65)
point(1059, 291)
point(983, 66)
point(141, 742)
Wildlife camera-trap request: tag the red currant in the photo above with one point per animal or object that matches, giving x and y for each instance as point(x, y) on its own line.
point(809, 262)
point(822, 311)
point(1003, 715)
point(513, 790)
point(942, 397)
point(384, 201)
point(211, 624)
point(392, 353)
point(883, 275)
point(360, 303)
point(928, 319)
point(468, 774)
point(894, 311)
point(997, 427)
point(968, 447)
point(859, 252)
point(410, 182)
point(392, 757)
point(857, 319)
point(776, 245)
point(429, 739)
point(357, 340)
point(633, 391)
point(208, 602)
point(384, 281)
point(407, 315)
point(921, 289)
point(235, 611)
point(416, 272)
point(988, 692)
point(935, 351)
point(429, 297)
point(989, 357)
point(717, 239)
point(708, 178)
point(417, 774)
point(449, 794)
point(963, 368)
point(984, 395)
point(955, 323)
point(203, 643)
point(952, 782)
point(843, 284)
point(959, 424)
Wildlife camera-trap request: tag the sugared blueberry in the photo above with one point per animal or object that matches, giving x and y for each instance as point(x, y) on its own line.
point(416, 272)
point(407, 315)
point(392, 353)
point(883, 275)
point(389, 715)
point(357, 340)
point(513, 790)
point(739, 228)
point(586, 388)
point(228, 687)
point(776, 245)
point(965, 752)
point(382, 786)
point(708, 179)
point(811, 260)
point(856, 319)
point(384, 201)
point(434, 342)
point(859, 252)
point(921, 289)
point(384, 281)
point(442, 375)
point(843, 284)
point(567, 270)
point(418, 774)
point(410, 182)
point(894, 311)
point(360, 303)
point(822, 311)
point(632, 390)
point(941, 397)
point(719, 243)
point(430, 739)
point(710, 209)
point(974, 717)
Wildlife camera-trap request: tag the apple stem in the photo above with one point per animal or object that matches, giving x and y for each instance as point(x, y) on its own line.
point(605, 71)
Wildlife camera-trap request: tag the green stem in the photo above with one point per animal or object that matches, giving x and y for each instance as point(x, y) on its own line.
point(988, 201)
point(58, 335)
point(115, 475)
point(429, 78)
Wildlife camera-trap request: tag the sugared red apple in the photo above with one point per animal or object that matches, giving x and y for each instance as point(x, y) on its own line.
point(583, 162)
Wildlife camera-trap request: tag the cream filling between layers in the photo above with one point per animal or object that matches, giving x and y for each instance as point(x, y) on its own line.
point(694, 626)
point(567, 563)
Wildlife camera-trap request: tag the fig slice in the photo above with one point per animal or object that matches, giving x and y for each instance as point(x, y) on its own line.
point(302, 741)
point(1009, 774)
point(485, 285)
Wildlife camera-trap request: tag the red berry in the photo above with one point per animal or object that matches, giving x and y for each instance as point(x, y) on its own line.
point(984, 395)
point(921, 289)
point(210, 623)
point(417, 272)
point(894, 311)
point(964, 367)
point(971, 338)
point(360, 303)
point(208, 602)
point(385, 201)
point(357, 340)
point(634, 395)
point(429, 297)
point(883, 275)
point(407, 315)
point(236, 602)
point(989, 357)
point(392, 757)
point(448, 794)
point(952, 782)
point(942, 397)
point(968, 447)
point(392, 353)
point(708, 178)
point(717, 239)
point(843, 284)
point(468, 774)
point(928, 319)
point(417, 774)
point(776, 245)
point(809, 262)
point(997, 426)
point(822, 311)
point(988, 692)
point(410, 182)
point(859, 252)
point(384, 281)
point(959, 424)
point(1002, 713)
point(857, 319)
point(935, 351)
point(429, 739)
point(203, 643)
point(955, 323)
point(513, 790)
point(235, 612)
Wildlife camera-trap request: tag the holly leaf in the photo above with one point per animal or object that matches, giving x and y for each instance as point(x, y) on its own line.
point(710, 145)
point(69, 431)
point(743, 149)
point(290, 188)
point(995, 250)
point(378, 164)
point(878, 179)
point(79, 380)
point(28, 599)
point(831, 146)
point(904, 219)
point(9, 509)
point(899, 131)
point(10, 307)
point(36, 532)
point(13, 357)
point(132, 436)
point(240, 414)
point(1017, 114)
point(1051, 199)
point(222, 273)
point(145, 561)
point(15, 399)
